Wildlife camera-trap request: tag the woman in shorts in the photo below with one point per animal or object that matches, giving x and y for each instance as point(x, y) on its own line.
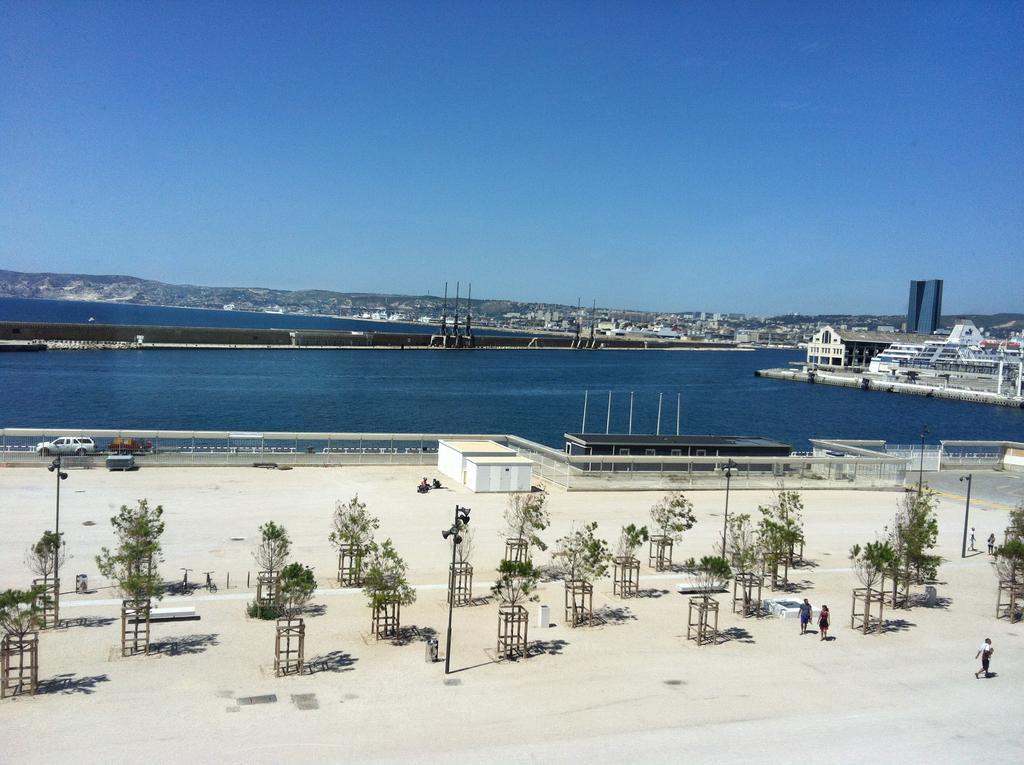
point(823, 622)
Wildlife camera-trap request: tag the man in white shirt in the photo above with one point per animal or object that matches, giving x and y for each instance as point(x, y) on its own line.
point(985, 652)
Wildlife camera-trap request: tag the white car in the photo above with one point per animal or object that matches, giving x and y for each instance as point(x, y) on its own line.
point(67, 445)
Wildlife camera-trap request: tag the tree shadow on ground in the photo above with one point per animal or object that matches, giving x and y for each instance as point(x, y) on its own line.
point(90, 621)
point(794, 587)
point(68, 683)
point(550, 647)
point(897, 625)
point(652, 592)
point(805, 563)
point(550, 573)
point(920, 600)
point(335, 661)
point(613, 615)
point(184, 645)
point(736, 634)
point(413, 633)
point(315, 610)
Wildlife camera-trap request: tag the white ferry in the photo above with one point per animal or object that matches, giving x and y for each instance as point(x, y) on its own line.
point(965, 350)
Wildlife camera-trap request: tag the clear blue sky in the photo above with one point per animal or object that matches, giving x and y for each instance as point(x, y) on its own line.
point(752, 157)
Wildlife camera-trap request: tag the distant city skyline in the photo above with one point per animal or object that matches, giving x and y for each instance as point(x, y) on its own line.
point(741, 159)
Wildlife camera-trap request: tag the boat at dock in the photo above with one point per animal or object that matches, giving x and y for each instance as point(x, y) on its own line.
point(15, 346)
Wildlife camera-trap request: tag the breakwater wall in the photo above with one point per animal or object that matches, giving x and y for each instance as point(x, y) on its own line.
point(115, 336)
point(877, 383)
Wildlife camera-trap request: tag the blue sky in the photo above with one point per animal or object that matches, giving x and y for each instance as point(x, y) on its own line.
point(746, 157)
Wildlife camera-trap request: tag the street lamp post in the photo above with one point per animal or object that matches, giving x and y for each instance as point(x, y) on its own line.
point(967, 511)
point(461, 520)
point(55, 467)
point(725, 524)
point(920, 473)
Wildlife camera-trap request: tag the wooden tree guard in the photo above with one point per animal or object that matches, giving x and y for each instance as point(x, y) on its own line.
point(516, 550)
point(626, 577)
point(19, 664)
point(135, 626)
point(860, 610)
point(659, 552)
point(1010, 600)
point(579, 602)
point(350, 565)
point(48, 601)
point(289, 647)
point(266, 588)
point(386, 619)
point(513, 626)
point(702, 620)
point(460, 584)
point(743, 588)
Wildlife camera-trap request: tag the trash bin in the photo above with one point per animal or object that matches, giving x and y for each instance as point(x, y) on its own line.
point(431, 650)
point(544, 617)
point(81, 583)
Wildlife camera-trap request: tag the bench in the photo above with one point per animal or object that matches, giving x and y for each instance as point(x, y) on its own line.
point(179, 614)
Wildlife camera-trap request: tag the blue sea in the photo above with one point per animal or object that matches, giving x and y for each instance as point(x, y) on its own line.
point(537, 394)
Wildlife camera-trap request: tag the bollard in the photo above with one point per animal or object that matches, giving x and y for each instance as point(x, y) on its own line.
point(228, 585)
point(543, 617)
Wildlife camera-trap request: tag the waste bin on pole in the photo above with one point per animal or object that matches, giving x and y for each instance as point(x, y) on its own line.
point(82, 583)
point(431, 650)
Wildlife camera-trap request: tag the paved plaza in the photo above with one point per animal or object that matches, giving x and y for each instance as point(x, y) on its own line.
point(631, 689)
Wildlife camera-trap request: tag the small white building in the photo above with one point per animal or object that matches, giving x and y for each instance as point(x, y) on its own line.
point(498, 474)
point(452, 456)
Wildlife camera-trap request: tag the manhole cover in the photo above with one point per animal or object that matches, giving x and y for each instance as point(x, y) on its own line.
point(237, 539)
point(270, 698)
point(453, 681)
point(673, 682)
point(305, 701)
point(88, 523)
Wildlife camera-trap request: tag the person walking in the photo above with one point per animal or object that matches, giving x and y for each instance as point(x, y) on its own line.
point(971, 547)
point(992, 543)
point(823, 622)
point(985, 652)
point(805, 616)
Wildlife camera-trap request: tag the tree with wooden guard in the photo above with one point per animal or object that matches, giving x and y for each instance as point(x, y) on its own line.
point(526, 516)
point(583, 558)
point(870, 564)
point(20, 620)
point(671, 517)
point(913, 534)
point(711, 573)
point(352, 537)
point(132, 568)
point(514, 586)
point(745, 556)
point(296, 586)
point(780, 532)
point(387, 589)
point(45, 558)
point(626, 566)
point(271, 556)
point(1009, 568)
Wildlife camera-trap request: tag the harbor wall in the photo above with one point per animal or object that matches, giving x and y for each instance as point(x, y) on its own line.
point(228, 337)
point(868, 383)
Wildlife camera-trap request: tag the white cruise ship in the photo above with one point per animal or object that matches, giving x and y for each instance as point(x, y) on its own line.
point(965, 350)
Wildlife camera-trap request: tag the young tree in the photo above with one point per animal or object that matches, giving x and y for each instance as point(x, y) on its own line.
point(295, 589)
point(352, 536)
point(385, 584)
point(1009, 561)
point(527, 515)
point(631, 539)
point(871, 563)
point(132, 566)
point(516, 583)
point(1015, 530)
point(781, 530)
point(583, 556)
point(914, 533)
point(773, 542)
point(47, 556)
point(744, 546)
point(274, 548)
point(19, 613)
point(463, 549)
point(711, 573)
point(673, 515)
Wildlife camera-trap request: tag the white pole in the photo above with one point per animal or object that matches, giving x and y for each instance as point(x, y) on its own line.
point(999, 378)
point(608, 422)
point(679, 406)
point(586, 395)
point(631, 413)
point(1020, 374)
point(660, 396)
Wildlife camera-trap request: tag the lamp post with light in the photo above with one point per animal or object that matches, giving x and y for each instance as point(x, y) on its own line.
point(461, 521)
point(725, 524)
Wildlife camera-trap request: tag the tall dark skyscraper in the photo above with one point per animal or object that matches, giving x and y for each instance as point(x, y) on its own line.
point(925, 306)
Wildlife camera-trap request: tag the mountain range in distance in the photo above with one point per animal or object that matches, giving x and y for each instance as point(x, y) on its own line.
point(131, 289)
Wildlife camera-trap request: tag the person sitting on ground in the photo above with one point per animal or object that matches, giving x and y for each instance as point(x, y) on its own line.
point(436, 484)
point(424, 487)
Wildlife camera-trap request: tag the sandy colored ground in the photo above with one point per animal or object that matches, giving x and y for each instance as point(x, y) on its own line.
point(631, 689)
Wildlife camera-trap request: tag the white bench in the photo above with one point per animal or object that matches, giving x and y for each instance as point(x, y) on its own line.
point(692, 588)
point(181, 613)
